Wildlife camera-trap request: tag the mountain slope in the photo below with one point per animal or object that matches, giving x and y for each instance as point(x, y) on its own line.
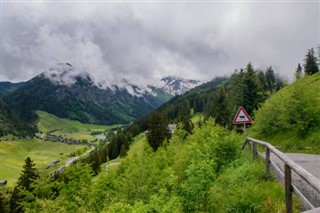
point(68, 93)
point(7, 87)
point(195, 99)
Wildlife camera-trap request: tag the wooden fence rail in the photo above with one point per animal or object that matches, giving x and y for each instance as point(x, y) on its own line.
point(289, 165)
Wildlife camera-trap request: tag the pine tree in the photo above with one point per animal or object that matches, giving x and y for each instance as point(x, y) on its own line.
point(218, 108)
point(251, 90)
point(184, 117)
point(310, 66)
point(270, 79)
point(235, 88)
point(95, 161)
point(298, 73)
point(28, 176)
point(158, 130)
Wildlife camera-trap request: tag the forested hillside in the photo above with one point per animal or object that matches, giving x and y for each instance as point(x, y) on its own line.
point(8, 87)
point(10, 123)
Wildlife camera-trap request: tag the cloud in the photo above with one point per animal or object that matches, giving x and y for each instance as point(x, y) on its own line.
point(143, 42)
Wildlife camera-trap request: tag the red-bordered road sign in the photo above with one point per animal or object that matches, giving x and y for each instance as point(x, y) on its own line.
point(241, 117)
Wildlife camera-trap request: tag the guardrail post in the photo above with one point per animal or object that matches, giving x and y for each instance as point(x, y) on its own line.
point(288, 188)
point(254, 150)
point(267, 162)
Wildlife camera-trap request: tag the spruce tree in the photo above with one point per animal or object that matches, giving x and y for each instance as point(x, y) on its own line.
point(158, 130)
point(28, 176)
point(251, 89)
point(218, 107)
point(235, 88)
point(270, 79)
point(184, 117)
point(310, 66)
point(298, 73)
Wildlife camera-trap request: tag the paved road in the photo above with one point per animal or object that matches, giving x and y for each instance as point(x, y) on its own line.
point(71, 160)
point(112, 164)
point(309, 162)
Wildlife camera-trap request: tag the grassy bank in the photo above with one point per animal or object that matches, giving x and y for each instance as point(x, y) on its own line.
point(290, 118)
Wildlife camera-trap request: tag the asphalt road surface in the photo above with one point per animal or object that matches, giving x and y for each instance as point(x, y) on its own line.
point(309, 162)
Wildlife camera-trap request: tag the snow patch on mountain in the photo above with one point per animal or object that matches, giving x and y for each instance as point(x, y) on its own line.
point(67, 75)
point(176, 86)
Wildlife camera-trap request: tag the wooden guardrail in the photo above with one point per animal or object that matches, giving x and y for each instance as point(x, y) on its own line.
point(289, 165)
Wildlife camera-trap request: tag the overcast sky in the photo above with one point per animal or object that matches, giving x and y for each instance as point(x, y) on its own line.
point(144, 41)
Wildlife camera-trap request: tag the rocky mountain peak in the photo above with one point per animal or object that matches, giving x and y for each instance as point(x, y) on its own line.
point(176, 85)
point(65, 74)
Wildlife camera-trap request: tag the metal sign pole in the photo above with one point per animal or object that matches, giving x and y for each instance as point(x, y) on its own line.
point(245, 135)
point(245, 132)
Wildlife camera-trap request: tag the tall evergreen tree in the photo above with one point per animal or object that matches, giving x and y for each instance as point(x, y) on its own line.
point(184, 116)
point(235, 88)
point(270, 79)
point(158, 130)
point(28, 176)
point(298, 73)
point(218, 108)
point(251, 89)
point(310, 66)
point(95, 161)
point(262, 80)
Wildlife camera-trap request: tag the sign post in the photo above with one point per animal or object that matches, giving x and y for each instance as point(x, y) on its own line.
point(242, 117)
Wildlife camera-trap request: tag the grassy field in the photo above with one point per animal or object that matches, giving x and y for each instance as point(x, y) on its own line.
point(69, 128)
point(13, 154)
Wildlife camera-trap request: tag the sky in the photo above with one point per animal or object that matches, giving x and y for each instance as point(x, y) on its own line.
point(145, 41)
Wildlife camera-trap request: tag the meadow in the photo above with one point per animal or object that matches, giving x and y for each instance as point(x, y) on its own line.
point(13, 154)
point(69, 128)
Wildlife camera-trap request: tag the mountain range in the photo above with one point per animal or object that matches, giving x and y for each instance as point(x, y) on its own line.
point(69, 93)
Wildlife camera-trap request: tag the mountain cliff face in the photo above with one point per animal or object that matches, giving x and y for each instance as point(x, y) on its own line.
point(69, 93)
point(177, 86)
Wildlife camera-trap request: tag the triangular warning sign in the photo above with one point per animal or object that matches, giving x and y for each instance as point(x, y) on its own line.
point(241, 117)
